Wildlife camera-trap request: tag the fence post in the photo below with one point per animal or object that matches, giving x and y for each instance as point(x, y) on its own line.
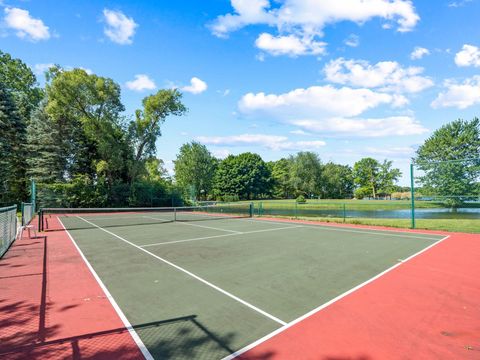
point(412, 194)
point(33, 195)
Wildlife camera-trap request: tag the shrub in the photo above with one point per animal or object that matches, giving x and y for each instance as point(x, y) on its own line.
point(301, 199)
point(362, 192)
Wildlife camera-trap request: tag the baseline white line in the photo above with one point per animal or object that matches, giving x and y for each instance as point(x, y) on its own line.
point(110, 298)
point(374, 232)
point(323, 306)
point(247, 304)
point(218, 236)
point(190, 224)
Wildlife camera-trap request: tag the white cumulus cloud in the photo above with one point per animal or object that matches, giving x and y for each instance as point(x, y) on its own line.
point(142, 82)
point(307, 18)
point(372, 127)
point(120, 28)
point(26, 26)
point(419, 52)
point(196, 86)
point(317, 101)
point(459, 95)
point(384, 75)
point(468, 56)
point(289, 45)
point(272, 142)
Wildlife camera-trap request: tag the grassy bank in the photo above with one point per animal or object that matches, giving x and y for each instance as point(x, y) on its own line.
point(467, 226)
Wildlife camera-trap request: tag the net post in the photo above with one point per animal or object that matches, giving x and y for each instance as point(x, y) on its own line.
point(412, 194)
point(40, 220)
point(296, 209)
point(174, 214)
point(22, 209)
point(251, 209)
point(344, 212)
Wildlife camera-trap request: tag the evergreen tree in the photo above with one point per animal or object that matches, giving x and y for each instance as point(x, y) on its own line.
point(46, 160)
point(12, 149)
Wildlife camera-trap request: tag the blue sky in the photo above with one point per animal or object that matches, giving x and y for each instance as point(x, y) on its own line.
point(345, 79)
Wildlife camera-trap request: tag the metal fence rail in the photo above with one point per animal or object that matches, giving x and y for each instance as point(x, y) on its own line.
point(8, 227)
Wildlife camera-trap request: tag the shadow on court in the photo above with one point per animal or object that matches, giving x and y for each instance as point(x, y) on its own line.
point(179, 338)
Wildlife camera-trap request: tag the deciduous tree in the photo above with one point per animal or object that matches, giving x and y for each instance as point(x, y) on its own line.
point(306, 173)
point(245, 175)
point(195, 168)
point(450, 160)
point(145, 129)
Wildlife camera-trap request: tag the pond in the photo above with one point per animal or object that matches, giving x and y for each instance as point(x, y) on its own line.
point(434, 213)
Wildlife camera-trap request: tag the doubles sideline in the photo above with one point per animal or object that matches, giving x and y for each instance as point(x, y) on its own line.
point(112, 301)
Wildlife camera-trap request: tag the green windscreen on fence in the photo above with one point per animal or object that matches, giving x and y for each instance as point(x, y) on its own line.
point(8, 227)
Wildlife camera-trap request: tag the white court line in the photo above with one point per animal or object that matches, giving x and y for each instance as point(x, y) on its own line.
point(264, 313)
point(202, 226)
point(110, 298)
point(218, 236)
point(106, 217)
point(338, 228)
point(323, 306)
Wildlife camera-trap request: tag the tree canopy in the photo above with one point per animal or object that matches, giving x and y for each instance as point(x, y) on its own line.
point(194, 169)
point(306, 173)
point(374, 178)
point(449, 160)
point(245, 175)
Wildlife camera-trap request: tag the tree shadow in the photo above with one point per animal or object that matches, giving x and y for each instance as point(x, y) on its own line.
point(179, 338)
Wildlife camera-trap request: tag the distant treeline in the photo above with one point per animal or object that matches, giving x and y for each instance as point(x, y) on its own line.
point(247, 176)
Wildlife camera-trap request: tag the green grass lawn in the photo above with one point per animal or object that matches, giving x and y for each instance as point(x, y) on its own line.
point(455, 225)
point(288, 209)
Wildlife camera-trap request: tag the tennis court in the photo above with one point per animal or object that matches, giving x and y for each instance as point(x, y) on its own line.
point(214, 280)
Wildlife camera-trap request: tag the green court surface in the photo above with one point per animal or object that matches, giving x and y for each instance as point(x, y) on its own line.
point(205, 289)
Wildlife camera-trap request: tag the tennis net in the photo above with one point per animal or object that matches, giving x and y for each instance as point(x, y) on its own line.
point(80, 218)
point(8, 227)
